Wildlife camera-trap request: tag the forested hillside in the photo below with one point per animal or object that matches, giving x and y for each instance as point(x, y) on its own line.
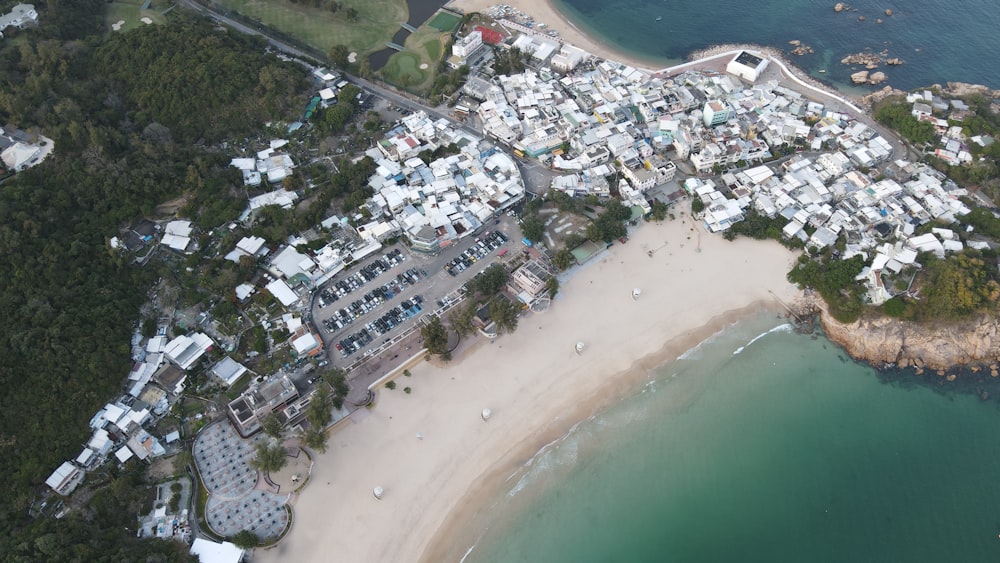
point(125, 111)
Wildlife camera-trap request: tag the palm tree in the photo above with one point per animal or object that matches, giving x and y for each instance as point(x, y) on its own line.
point(504, 314)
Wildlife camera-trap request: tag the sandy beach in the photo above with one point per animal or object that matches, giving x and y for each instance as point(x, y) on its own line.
point(544, 12)
point(537, 387)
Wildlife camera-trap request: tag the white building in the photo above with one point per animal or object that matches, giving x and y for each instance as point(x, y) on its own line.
point(747, 66)
point(254, 247)
point(65, 479)
point(186, 350)
point(716, 112)
point(468, 44)
point(20, 16)
point(177, 235)
point(228, 370)
point(210, 552)
point(641, 178)
point(280, 290)
point(568, 58)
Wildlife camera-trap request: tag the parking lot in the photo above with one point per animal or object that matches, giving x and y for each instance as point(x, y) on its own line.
point(364, 308)
point(485, 245)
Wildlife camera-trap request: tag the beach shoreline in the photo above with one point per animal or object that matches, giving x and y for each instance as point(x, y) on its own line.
point(440, 463)
point(460, 533)
point(547, 12)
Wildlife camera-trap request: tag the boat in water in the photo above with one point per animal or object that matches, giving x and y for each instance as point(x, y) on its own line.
point(658, 18)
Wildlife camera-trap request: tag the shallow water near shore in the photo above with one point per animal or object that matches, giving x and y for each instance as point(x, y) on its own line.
point(940, 41)
point(762, 445)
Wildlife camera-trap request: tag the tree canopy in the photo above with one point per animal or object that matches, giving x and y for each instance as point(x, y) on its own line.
point(271, 457)
point(124, 111)
point(897, 115)
point(435, 337)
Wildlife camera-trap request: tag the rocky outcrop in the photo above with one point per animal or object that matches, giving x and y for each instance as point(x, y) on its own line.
point(840, 7)
point(959, 89)
point(870, 60)
point(879, 95)
point(860, 77)
point(937, 346)
point(800, 48)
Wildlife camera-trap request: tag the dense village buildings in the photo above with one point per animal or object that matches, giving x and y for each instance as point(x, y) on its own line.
point(614, 128)
point(435, 203)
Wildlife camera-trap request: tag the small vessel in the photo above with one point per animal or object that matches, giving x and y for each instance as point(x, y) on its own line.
point(659, 18)
point(822, 70)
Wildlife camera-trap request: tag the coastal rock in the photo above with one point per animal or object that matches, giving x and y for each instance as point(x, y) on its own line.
point(938, 346)
point(894, 61)
point(861, 18)
point(802, 49)
point(879, 95)
point(869, 60)
point(877, 78)
point(959, 89)
point(888, 12)
point(860, 77)
point(878, 20)
point(794, 42)
point(840, 7)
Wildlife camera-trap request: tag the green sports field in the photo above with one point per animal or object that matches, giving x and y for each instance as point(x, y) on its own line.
point(377, 21)
point(444, 21)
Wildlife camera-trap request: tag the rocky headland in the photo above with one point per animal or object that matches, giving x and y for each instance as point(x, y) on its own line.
point(938, 346)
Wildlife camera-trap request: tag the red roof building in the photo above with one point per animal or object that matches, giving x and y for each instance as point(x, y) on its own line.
point(491, 36)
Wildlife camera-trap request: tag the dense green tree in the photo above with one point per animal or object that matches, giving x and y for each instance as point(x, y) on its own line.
point(339, 55)
point(316, 438)
point(236, 84)
point(245, 539)
point(337, 380)
point(897, 115)
point(509, 60)
point(318, 413)
point(435, 337)
point(552, 286)
point(489, 281)
point(271, 457)
point(461, 318)
point(659, 211)
point(697, 205)
point(562, 259)
point(834, 280)
point(272, 426)
point(533, 228)
point(504, 314)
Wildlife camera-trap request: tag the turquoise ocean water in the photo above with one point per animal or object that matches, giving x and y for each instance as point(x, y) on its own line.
point(940, 41)
point(763, 445)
